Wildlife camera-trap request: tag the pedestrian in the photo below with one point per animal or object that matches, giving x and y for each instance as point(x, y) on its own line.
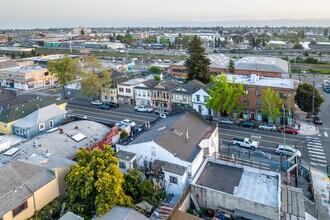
point(298, 126)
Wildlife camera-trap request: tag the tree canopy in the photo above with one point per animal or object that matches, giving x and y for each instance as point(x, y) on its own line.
point(65, 70)
point(224, 95)
point(231, 66)
point(271, 104)
point(197, 63)
point(95, 183)
point(304, 98)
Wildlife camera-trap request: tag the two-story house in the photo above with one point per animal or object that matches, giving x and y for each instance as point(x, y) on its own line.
point(173, 150)
point(161, 95)
point(182, 95)
point(142, 92)
point(110, 92)
point(199, 99)
point(126, 90)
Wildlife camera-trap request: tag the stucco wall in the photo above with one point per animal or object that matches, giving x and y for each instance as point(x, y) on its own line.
point(27, 213)
point(5, 128)
point(46, 194)
point(212, 199)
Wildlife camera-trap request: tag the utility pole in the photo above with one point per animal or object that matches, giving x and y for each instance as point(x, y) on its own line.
point(313, 98)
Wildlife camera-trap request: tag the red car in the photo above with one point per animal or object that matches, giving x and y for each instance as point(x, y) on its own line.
point(288, 130)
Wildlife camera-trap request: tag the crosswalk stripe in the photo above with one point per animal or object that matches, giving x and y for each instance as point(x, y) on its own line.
point(314, 146)
point(317, 164)
point(324, 161)
point(314, 142)
point(315, 152)
point(312, 138)
point(318, 156)
point(326, 134)
point(317, 149)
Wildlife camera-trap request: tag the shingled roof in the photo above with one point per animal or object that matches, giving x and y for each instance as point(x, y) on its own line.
point(19, 180)
point(16, 112)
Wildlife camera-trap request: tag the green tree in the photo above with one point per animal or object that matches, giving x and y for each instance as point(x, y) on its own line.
point(224, 95)
point(95, 183)
point(304, 98)
point(231, 67)
point(163, 41)
point(311, 60)
point(297, 46)
point(91, 85)
point(271, 104)
point(33, 53)
point(197, 63)
point(154, 69)
point(65, 70)
point(13, 55)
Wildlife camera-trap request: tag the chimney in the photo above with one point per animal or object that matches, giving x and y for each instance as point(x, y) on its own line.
point(187, 134)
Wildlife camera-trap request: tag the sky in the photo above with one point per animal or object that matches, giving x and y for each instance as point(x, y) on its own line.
point(109, 13)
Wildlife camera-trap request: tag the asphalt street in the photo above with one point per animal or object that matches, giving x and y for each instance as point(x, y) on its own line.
point(309, 146)
point(110, 116)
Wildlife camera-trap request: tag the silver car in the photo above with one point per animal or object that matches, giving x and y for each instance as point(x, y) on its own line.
point(225, 121)
point(267, 127)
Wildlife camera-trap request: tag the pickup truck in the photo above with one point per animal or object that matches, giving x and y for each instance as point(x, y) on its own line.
point(142, 108)
point(246, 142)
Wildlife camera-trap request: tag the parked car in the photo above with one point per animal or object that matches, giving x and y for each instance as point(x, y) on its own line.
point(317, 120)
point(142, 108)
point(128, 122)
point(249, 124)
point(113, 105)
point(287, 150)
point(227, 121)
point(161, 112)
point(96, 102)
point(208, 118)
point(288, 130)
point(267, 127)
point(236, 148)
point(246, 142)
point(326, 89)
point(104, 107)
point(262, 153)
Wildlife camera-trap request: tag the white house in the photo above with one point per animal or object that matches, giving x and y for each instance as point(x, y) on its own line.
point(126, 90)
point(172, 149)
point(142, 92)
point(199, 100)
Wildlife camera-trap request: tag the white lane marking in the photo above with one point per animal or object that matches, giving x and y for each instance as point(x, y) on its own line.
point(319, 135)
point(317, 164)
point(314, 143)
point(317, 149)
point(313, 155)
point(324, 161)
point(314, 146)
point(326, 134)
point(312, 138)
point(315, 152)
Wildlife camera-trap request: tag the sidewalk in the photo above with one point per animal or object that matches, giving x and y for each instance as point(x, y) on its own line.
point(307, 127)
point(321, 186)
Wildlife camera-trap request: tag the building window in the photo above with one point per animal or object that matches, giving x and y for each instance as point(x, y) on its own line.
point(51, 123)
point(121, 89)
point(173, 179)
point(105, 97)
point(20, 208)
point(148, 93)
point(41, 126)
point(257, 102)
point(122, 165)
point(144, 93)
point(189, 174)
point(246, 92)
point(258, 92)
point(184, 98)
point(246, 102)
point(282, 95)
point(176, 97)
point(198, 98)
point(205, 98)
point(128, 90)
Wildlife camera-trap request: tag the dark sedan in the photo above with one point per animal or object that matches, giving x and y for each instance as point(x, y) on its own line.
point(113, 104)
point(288, 130)
point(248, 124)
point(317, 120)
point(104, 107)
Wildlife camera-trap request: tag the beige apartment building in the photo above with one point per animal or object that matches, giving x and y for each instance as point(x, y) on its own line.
point(26, 77)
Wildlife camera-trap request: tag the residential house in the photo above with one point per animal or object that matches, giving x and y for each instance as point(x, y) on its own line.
point(110, 93)
point(142, 92)
point(173, 149)
point(199, 99)
point(39, 121)
point(118, 212)
point(26, 77)
point(161, 95)
point(126, 90)
point(182, 95)
point(25, 188)
point(219, 64)
point(9, 115)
